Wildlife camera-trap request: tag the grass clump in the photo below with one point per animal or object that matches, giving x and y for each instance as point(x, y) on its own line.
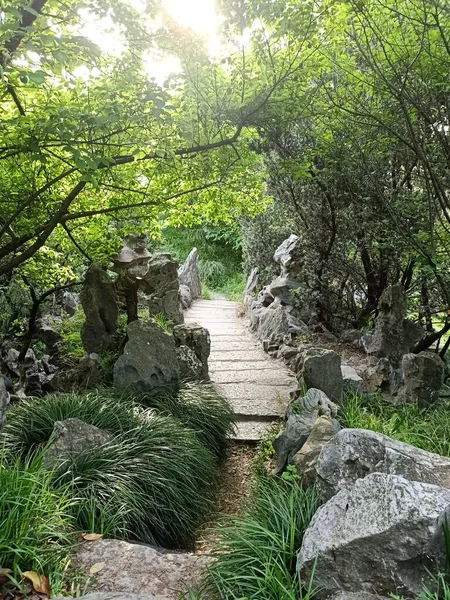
point(153, 482)
point(256, 553)
point(36, 523)
point(198, 407)
point(426, 428)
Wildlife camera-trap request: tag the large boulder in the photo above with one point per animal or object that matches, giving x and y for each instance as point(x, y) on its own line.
point(274, 324)
point(305, 459)
point(301, 416)
point(149, 359)
point(394, 335)
point(161, 287)
point(185, 297)
point(322, 370)
point(99, 301)
point(70, 438)
point(51, 338)
point(423, 375)
point(355, 453)
point(4, 401)
point(352, 382)
point(251, 287)
point(189, 274)
point(381, 536)
point(133, 257)
point(141, 569)
point(197, 338)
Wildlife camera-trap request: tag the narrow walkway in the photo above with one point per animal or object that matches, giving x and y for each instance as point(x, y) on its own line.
point(256, 385)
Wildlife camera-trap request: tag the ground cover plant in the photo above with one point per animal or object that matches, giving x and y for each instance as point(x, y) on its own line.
point(256, 553)
point(36, 519)
point(198, 407)
point(427, 428)
point(152, 482)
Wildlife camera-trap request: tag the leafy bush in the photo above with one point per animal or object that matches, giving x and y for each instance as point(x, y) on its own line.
point(427, 428)
point(198, 407)
point(256, 553)
point(152, 482)
point(212, 272)
point(35, 519)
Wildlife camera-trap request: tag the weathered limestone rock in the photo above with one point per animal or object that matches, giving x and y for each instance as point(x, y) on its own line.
point(355, 453)
point(274, 324)
point(149, 359)
point(69, 303)
point(351, 380)
point(185, 297)
point(301, 416)
point(161, 286)
point(394, 336)
point(141, 569)
point(99, 301)
point(50, 337)
point(252, 283)
point(190, 366)
point(133, 257)
point(305, 459)
point(112, 596)
point(189, 274)
point(423, 375)
point(322, 370)
point(289, 255)
point(4, 401)
point(70, 438)
point(382, 535)
point(197, 338)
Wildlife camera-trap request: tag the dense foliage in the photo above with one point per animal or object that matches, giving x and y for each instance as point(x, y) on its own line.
point(153, 481)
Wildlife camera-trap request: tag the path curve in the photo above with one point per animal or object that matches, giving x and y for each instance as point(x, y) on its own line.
point(256, 385)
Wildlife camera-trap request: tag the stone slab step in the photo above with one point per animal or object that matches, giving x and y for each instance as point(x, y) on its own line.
point(267, 406)
point(235, 355)
point(232, 344)
point(266, 376)
point(252, 430)
point(217, 366)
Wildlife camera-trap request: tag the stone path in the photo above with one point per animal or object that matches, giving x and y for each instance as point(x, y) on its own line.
point(256, 385)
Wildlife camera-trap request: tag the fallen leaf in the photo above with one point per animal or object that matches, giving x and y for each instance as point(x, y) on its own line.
point(5, 572)
point(96, 568)
point(91, 537)
point(40, 583)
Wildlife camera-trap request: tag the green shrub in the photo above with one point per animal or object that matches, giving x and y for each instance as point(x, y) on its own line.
point(35, 518)
point(153, 482)
point(198, 407)
point(233, 287)
point(256, 553)
point(428, 428)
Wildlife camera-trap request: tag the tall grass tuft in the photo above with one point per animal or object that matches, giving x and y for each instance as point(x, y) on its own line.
point(35, 518)
point(198, 407)
point(256, 553)
point(426, 428)
point(153, 482)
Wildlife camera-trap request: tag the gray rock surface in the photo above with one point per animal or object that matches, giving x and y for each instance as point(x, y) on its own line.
point(141, 569)
point(4, 401)
point(355, 453)
point(161, 287)
point(381, 536)
point(185, 296)
point(305, 459)
point(423, 375)
point(69, 303)
point(189, 274)
point(112, 596)
point(252, 283)
point(351, 380)
point(301, 416)
point(149, 359)
point(50, 337)
point(99, 301)
point(134, 256)
point(197, 338)
point(394, 336)
point(190, 366)
point(70, 438)
point(322, 370)
point(289, 256)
